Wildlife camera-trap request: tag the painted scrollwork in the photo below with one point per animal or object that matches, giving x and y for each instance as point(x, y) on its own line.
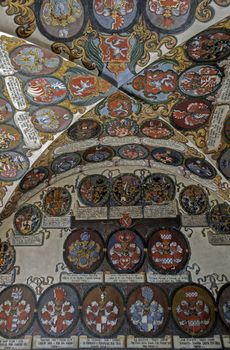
point(24, 16)
point(204, 12)
point(76, 49)
point(152, 42)
point(198, 136)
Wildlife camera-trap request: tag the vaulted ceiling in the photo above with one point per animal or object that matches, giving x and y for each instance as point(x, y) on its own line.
point(114, 173)
point(148, 74)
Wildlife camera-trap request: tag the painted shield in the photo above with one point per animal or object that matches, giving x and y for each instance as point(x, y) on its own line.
point(227, 130)
point(168, 251)
point(200, 80)
point(219, 218)
point(170, 16)
point(45, 90)
point(121, 127)
point(57, 201)
point(224, 304)
point(156, 84)
point(17, 307)
point(10, 137)
point(33, 60)
point(125, 251)
point(209, 46)
point(147, 310)
point(58, 310)
point(114, 15)
point(224, 163)
point(27, 219)
point(84, 129)
point(85, 89)
point(52, 119)
point(156, 129)
point(33, 178)
point(65, 162)
point(167, 156)
point(133, 152)
point(126, 189)
point(6, 111)
point(83, 251)
point(158, 188)
point(94, 190)
point(7, 257)
point(103, 310)
point(98, 154)
point(13, 165)
point(194, 200)
point(60, 20)
point(118, 105)
point(115, 49)
point(191, 114)
point(193, 310)
point(200, 167)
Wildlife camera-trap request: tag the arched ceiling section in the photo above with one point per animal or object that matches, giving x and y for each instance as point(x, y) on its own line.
point(181, 96)
point(88, 31)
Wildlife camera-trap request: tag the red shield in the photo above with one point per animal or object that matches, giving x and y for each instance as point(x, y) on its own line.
point(115, 48)
point(126, 221)
point(83, 86)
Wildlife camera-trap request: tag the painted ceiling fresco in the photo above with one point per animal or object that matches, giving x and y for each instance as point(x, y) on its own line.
point(114, 174)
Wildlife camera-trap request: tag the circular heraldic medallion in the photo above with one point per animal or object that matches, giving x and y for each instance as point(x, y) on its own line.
point(27, 219)
point(103, 310)
point(114, 16)
point(94, 190)
point(17, 307)
point(57, 201)
point(219, 218)
point(227, 129)
point(200, 80)
point(224, 163)
point(147, 310)
point(58, 310)
point(125, 251)
point(200, 167)
point(84, 129)
point(168, 251)
point(209, 46)
point(133, 152)
point(167, 156)
point(83, 251)
point(13, 165)
point(52, 119)
point(193, 310)
point(158, 188)
point(65, 162)
point(224, 304)
point(10, 137)
point(60, 20)
point(191, 114)
point(33, 178)
point(126, 189)
point(98, 154)
point(7, 257)
point(45, 90)
point(6, 111)
point(169, 17)
point(156, 129)
point(194, 200)
point(121, 127)
point(34, 60)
